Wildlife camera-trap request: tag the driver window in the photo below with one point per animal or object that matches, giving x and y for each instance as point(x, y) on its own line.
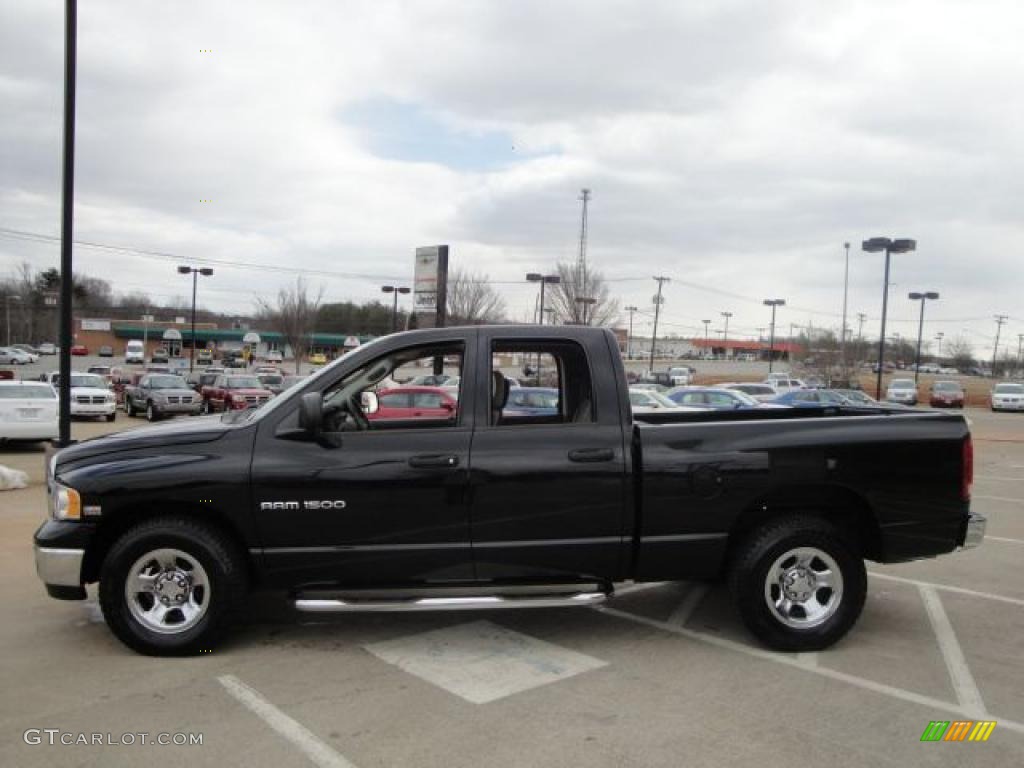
point(413, 388)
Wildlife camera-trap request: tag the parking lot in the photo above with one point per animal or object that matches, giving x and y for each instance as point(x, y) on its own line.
point(662, 675)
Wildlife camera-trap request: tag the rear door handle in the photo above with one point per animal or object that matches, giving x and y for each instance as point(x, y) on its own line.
point(584, 455)
point(434, 461)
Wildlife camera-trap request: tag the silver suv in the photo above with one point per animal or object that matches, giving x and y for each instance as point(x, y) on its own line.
point(902, 391)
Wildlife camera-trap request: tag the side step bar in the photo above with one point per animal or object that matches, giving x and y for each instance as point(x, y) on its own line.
point(447, 603)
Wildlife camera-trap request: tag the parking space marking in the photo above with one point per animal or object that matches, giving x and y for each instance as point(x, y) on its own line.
point(789, 660)
point(960, 676)
point(1004, 539)
point(997, 498)
point(999, 478)
point(688, 605)
point(481, 661)
point(312, 747)
point(949, 588)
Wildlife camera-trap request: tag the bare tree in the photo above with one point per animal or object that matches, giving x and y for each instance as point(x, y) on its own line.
point(960, 352)
point(582, 284)
point(293, 315)
point(472, 300)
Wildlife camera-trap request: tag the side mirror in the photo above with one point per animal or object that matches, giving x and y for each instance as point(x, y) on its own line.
point(369, 403)
point(311, 413)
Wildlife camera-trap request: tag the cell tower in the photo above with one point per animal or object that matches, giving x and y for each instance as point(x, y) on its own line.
point(581, 260)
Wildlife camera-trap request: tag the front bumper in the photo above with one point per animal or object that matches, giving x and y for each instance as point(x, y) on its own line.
point(974, 531)
point(60, 555)
point(1008, 405)
point(173, 409)
point(59, 567)
point(93, 409)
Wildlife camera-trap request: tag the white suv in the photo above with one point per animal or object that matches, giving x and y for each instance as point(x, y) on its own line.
point(783, 385)
point(902, 391)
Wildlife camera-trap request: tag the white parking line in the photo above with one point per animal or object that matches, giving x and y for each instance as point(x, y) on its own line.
point(960, 676)
point(789, 660)
point(997, 477)
point(1003, 538)
point(317, 751)
point(688, 605)
point(948, 588)
point(997, 498)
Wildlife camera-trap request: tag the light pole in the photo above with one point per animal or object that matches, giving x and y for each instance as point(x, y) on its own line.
point(938, 338)
point(922, 297)
point(846, 287)
point(395, 289)
point(146, 320)
point(584, 302)
point(774, 304)
point(707, 323)
point(1000, 319)
point(195, 272)
point(657, 311)
point(629, 337)
point(10, 297)
point(725, 335)
point(1020, 345)
point(890, 246)
point(536, 277)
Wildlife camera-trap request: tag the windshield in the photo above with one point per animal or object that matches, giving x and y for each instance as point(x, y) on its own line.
point(947, 386)
point(86, 380)
point(902, 384)
point(167, 382)
point(743, 397)
point(243, 382)
point(1010, 389)
point(272, 379)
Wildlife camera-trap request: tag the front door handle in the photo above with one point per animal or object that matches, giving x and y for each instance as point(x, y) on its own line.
point(585, 455)
point(434, 461)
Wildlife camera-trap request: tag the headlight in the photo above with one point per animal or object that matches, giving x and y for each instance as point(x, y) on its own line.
point(65, 503)
point(110, 397)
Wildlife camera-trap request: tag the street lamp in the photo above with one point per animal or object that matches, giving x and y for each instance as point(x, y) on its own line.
point(537, 277)
point(195, 272)
point(725, 335)
point(629, 337)
point(774, 304)
point(584, 301)
point(706, 324)
point(846, 286)
point(922, 297)
point(395, 289)
point(890, 246)
point(938, 337)
point(10, 297)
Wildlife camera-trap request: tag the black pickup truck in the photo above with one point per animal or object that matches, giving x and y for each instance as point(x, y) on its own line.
point(351, 504)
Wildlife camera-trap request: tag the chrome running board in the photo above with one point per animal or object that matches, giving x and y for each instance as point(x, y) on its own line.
point(447, 603)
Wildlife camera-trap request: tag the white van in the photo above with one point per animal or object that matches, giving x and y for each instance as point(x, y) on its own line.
point(134, 352)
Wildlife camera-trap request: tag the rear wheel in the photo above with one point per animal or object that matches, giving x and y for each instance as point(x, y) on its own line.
point(170, 585)
point(128, 408)
point(799, 583)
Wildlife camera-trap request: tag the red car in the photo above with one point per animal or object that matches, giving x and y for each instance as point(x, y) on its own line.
point(946, 393)
point(79, 350)
point(415, 403)
point(234, 392)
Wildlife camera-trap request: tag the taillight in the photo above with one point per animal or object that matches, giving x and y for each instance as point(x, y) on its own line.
point(967, 479)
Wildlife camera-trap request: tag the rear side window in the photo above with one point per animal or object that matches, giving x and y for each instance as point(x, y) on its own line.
point(556, 384)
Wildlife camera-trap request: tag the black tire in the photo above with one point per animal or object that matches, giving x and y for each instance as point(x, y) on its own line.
point(749, 583)
point(128, 408)
point(111, 416)
point(151, 414)
point(218, 556)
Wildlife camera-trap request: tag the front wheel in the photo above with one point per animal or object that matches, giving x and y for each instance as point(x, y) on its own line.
point(799, 583)
point(128, 408)
point(169, 586)
point(111, 416)
point(151, 414)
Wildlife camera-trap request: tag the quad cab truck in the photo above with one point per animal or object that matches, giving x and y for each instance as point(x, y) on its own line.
point(478, 507)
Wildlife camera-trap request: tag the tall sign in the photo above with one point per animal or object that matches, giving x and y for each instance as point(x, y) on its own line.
point(430, 286)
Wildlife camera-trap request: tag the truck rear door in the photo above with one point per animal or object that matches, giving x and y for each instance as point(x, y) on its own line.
point(548, 491)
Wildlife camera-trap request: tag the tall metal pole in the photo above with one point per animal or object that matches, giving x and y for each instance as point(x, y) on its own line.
point(7, 301)
point(394, 314)
point(1020, 345)
point(629, 338)
point(725, 336)
point(67, 221)
point(771, 341)
point(846, 286)
point(541, 318)
point(657, 312)
point(920, 331)
point(581, 265)
point(192, 351)
point(881, 335)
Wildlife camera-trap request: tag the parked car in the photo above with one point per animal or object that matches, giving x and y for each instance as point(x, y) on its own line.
point(200, 379)
point(428, 380)
point(204, 357)
point(946, 393)
point(649, 386)
point(14, 356)
point(91, 394)
point(318, 358)
point(161, 394)
point(647, 401)
point(763, 393)
point(27, 348)
point(858, 397)
point(1008, 396)
point(713, 397)
point(134, 352)
point(275, 356)
point(272, 381)
point(28, 411)
point(47, 348)
point(105, 351)
point(234, 392)
point(814, 382)
point(160, 355)
point(293, 379)
point(681, 375)
point(811, 398)
point(782, 385)
point(79, 350)
point(531, 401)
point(415, 403)
point(234, 358)
point(344, 513)
point(903, 391)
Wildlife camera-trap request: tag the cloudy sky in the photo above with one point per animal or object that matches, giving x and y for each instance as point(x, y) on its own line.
point(733, 145)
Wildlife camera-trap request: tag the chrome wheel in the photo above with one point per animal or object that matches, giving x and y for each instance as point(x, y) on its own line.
point(803, 587)
point(167, 591)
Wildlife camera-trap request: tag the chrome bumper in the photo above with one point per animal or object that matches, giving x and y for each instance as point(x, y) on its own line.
point(975, 532)
point(59, 567)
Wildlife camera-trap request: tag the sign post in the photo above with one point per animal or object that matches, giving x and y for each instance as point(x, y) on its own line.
point(430, 286)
